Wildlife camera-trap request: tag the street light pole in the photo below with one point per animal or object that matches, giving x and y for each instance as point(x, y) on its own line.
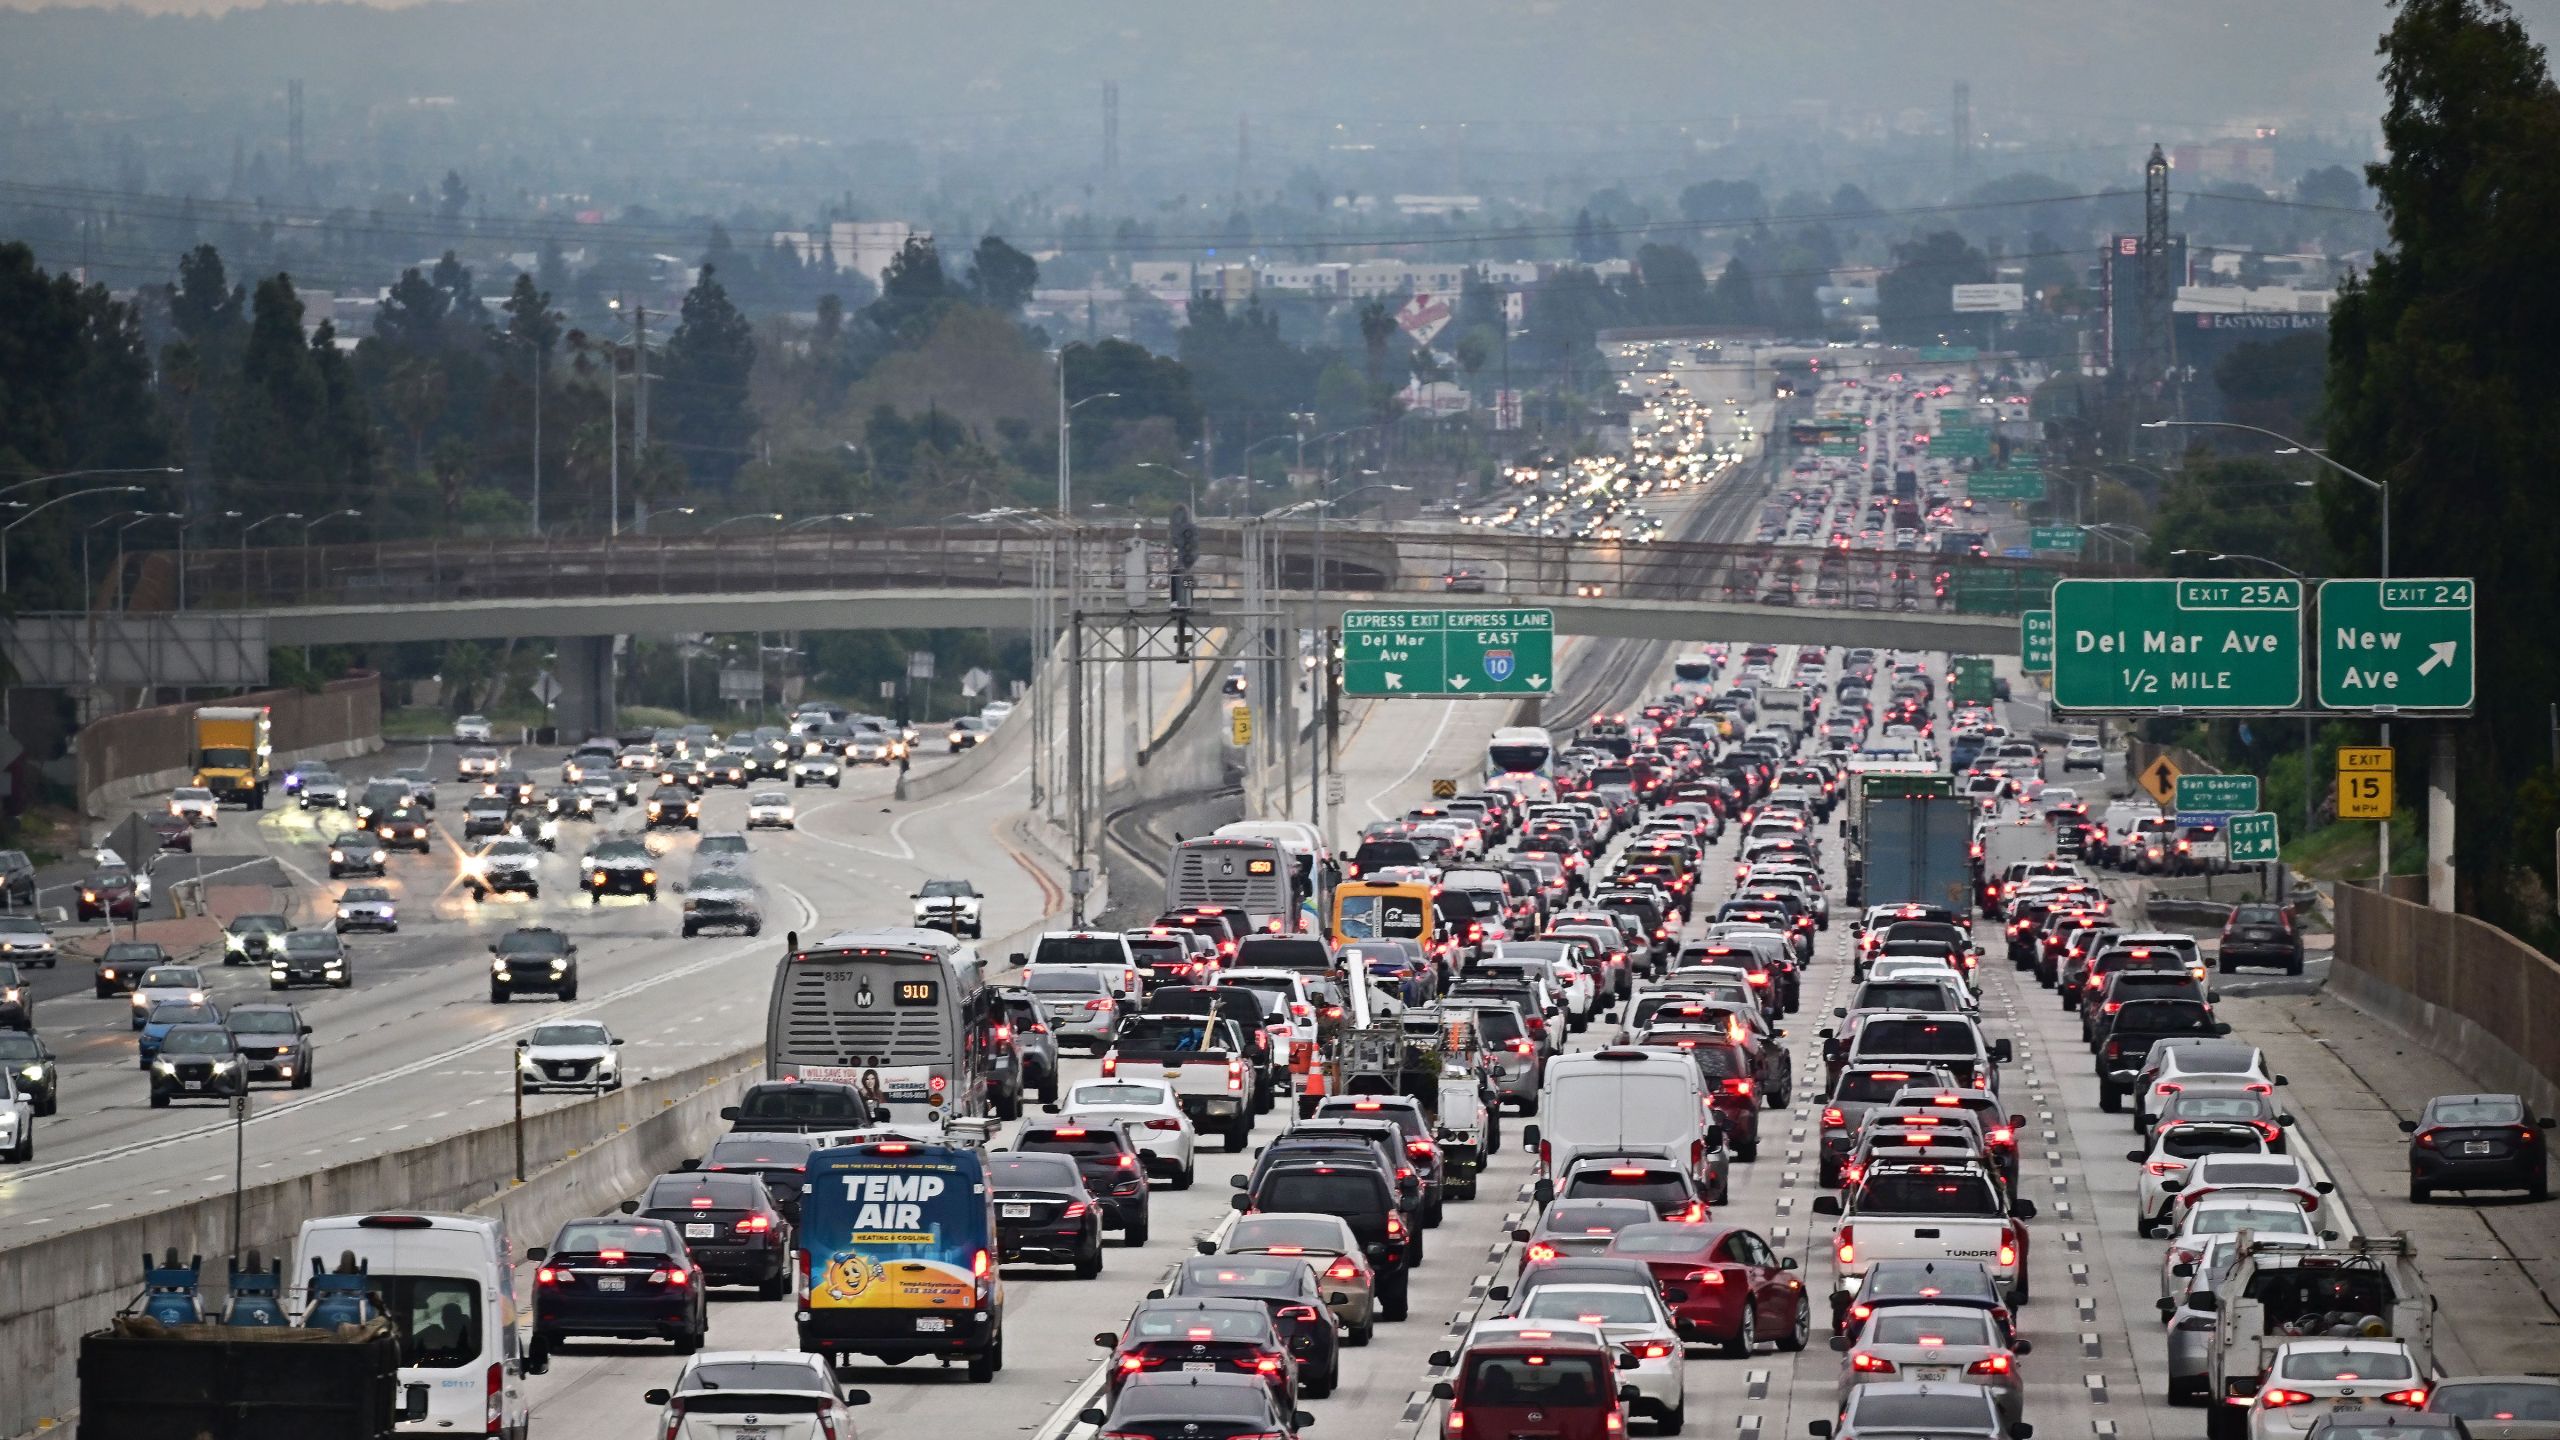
point(38, 509)
point(2382, 489)
point(245, 532)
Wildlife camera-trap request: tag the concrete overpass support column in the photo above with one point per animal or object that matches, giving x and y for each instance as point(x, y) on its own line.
point(585, 673)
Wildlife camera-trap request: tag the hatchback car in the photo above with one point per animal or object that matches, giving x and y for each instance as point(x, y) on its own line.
point(357, 852)
point(368, 907)
point(622, 1277)
point(2477, 1142)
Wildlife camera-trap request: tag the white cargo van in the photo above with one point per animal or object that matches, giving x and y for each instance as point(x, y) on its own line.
point(1619, 1100)
point(448, 1284)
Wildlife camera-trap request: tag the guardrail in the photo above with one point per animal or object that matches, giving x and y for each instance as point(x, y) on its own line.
point(2473, 993)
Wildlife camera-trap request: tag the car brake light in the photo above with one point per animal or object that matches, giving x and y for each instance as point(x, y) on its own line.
point(1341, 1269)
point(2415, 1397)
point(1833, 1117)
point(1110, 1065)
point(1075, 1210)
point(2279, 1398)
point(2166, 1167)
point(1989, 1365)
point(2008, 1249)
point(1866, 1364)
point(755, 1225)
point(1846, 1247)
point(1542, 1251)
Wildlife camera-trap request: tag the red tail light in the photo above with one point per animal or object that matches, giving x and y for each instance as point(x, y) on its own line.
point(755, 1225)
point(1076, 1210)
point(1737, 1087)
point(2166, 1167)
point(1833, 1117)
point(2008, 1248)
point(1342, 1269)
point(1866, 1364)
point(1395, 1227)
point(2415, 1398)
point(1110, 1065)
point(497, 1411)
point(2278, 1399)
point(548, 1276)
point(1164, 1122)
point(1989, 1365)
point(1542, 1251)
point(1305, 1314)
point(1845, 1247)
point(981, 1264)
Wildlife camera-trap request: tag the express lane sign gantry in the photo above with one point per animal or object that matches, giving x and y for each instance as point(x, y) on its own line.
point(2397, 645)
point(2170, 646)
point(1427, 652)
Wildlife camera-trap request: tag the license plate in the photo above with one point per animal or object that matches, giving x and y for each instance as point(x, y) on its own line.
point(932, 1324)
point(195, 1084)
point(1929, 1372)
point(2346, 1402)
point(1013, 1212)
point(746, 1435)
point(1205, 1366)
point(2475, 1147)
point(700, 1232)
point(611, 1283)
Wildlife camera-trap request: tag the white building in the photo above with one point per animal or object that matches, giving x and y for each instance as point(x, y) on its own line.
point(1375, 279)
point(1166, 280)
point(864, 247)
point(1437, 279)
point(1323, 281)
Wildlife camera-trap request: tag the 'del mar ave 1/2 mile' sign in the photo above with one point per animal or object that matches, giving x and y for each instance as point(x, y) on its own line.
point(2177, 645)
point(1448, 652)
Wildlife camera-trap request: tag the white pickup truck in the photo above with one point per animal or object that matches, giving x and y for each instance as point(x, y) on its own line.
point(2279, 1293)
point(1202, 1057)
point(1927, 1210)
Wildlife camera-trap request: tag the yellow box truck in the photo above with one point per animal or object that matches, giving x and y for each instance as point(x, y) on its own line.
point(235, 747)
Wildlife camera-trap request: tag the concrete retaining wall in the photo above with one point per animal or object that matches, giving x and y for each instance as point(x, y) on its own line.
point(2483, 999)
point(137, 752)
point(582, 1158)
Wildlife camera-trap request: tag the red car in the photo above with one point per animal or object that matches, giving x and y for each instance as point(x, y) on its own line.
point(1734, 1290)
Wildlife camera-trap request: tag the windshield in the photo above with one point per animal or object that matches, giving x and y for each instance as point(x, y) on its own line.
point(571, 1035)
point(1373, 917)
point(258, 924)
point(1543, 1382)
point(1337, 1192)
point(941, 889)
point(1917, 1037)
point(197, 1042)
point(1893, 1327)
point(2485, 1111)
point(314, 943)
point(2497, 1400)
point(2222, 1220)
point(759, 1150)
point(1079, 950)
point(264, 1022)
point(591, 1237)
point(169, 977)
point(2344, 1363)
point(1589, 1305)
point(1111, 1094)
point(1927, 1190)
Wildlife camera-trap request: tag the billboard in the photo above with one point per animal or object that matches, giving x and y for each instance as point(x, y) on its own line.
point(1976, 299)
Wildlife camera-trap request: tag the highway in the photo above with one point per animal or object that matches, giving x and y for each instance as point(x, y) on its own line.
point(414, 1050)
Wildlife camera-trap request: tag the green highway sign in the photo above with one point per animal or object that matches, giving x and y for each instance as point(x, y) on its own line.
point(2035, 642)
point(2057, 537)
point(2030, 461)
point(2007, 485)
point(1839, 447)
point(2392, 645)
point(1961, 440)
point(1954, 416)
point(2217, 794)
point(2169, 646)
point(2253, 838)
point(1949, 352)
point(1451, 652)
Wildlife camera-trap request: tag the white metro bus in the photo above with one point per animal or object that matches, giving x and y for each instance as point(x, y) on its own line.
point(1313, 869)
point(903, 1015)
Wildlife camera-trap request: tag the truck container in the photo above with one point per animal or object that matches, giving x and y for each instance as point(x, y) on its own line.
point(142, 1380)
point(1912, 847)
point(234, 752)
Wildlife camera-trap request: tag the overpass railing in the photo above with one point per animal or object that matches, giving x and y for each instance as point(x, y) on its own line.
point(1366, 559)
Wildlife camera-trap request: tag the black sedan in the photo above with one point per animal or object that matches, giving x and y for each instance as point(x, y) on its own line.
point(618, 1276)
point(1044, 1212)
point(2478, 1142)
point(731, 1224)
point(1287, 1286)
point(275, 1042)
point(310, 957)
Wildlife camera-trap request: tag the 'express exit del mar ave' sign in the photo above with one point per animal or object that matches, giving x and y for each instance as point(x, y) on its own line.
point(2177, 645)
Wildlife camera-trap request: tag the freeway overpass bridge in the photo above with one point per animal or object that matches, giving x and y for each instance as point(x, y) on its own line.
point(581, 591)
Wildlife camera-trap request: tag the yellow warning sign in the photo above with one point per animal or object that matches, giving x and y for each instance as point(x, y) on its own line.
point(2364, 782)
point(1444, 789)
point(1240, 722)
point(2160, 777)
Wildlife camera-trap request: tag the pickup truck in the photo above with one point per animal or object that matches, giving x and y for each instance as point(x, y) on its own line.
point(2277, 1293)
point(1922, 1210)
point(1202, 1057)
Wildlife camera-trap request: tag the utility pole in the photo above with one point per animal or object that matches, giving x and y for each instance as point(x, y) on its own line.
point(2157, 294)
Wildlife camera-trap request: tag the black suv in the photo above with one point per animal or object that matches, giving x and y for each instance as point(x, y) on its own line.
point(1364, 1200)
point(672, 805)
point(533, 958)
point(620, 867)
point(812, 1106)
point(403, 828)
point(197, 1062)
point(618, 1276)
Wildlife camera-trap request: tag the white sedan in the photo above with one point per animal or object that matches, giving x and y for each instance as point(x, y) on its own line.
point(195, 805)
point(771, 810)
point(2173, 1154)
point(2309, 1379)
point(1164, 1134)
point(1633, 1320)
point(570, 1055)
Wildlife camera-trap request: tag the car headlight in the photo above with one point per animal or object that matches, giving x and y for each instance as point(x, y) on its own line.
point(164, 1067)
point(648, 877)
point(498, 965)
point(233, 942)
point(526, 1064)
point(559, 963)
point(219, 1066)
point(195, 997)
point(139, 1002)
point(32, 1072)
point(337, 857)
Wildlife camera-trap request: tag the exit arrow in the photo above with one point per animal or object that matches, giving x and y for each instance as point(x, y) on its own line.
point(1537, 682)
point(2440, 653)
point(1394, 681)
point(1457, 682)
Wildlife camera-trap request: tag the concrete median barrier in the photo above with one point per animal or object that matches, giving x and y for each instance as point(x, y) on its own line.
point(581, 1159)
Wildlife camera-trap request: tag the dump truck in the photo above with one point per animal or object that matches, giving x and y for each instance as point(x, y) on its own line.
point(235, 752)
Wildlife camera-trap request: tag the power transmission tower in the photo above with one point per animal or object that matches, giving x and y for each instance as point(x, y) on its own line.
point(1963, 155)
